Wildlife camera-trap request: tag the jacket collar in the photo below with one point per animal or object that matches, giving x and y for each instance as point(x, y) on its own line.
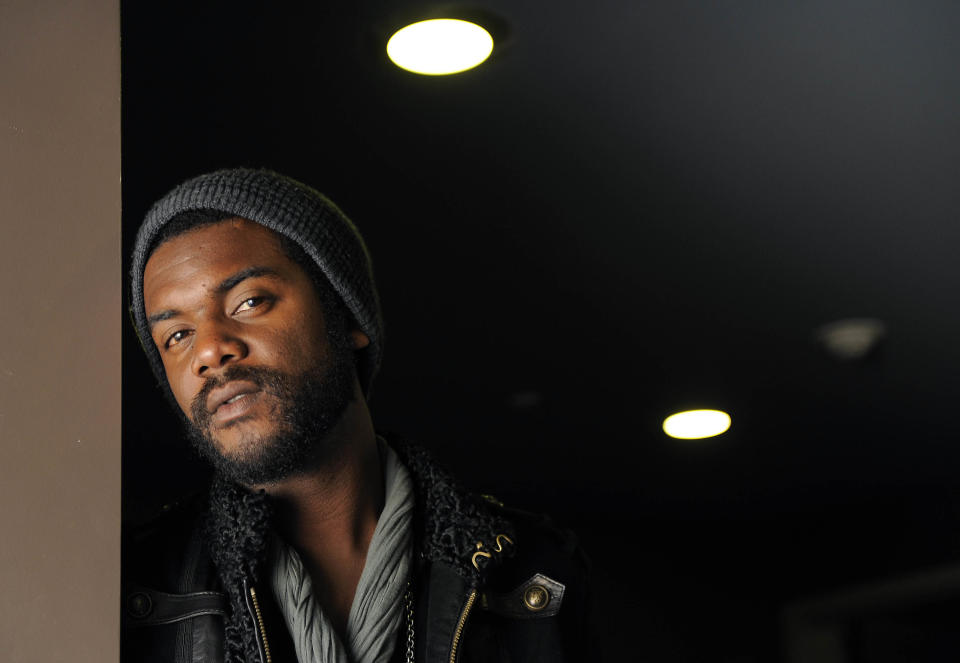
point(454, 530)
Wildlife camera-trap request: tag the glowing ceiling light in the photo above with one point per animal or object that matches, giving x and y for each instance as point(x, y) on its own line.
point(696, 424)
point(439, 46)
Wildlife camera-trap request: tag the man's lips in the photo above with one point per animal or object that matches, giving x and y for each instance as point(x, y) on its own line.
point(232, 390)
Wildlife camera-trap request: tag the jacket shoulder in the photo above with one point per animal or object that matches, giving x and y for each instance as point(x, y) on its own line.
point(536, 605)
point(543, 543)
point(157, 552)
point(172, 604)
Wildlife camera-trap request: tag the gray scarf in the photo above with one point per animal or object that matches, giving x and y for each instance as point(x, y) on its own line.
point(377, 610)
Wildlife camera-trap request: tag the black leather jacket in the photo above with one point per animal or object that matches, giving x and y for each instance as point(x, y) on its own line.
point(490, 584)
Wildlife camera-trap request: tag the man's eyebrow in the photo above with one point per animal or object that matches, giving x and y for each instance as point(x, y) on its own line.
point(160, 317)
point(231, 282)
point(224, 287)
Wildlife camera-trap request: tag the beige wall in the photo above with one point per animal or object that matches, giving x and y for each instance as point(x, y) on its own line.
point(60, 321)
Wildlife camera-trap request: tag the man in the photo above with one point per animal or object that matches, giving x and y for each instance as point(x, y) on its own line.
point(319, 540)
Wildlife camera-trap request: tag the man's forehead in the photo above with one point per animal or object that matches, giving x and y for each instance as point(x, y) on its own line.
point(223, 246)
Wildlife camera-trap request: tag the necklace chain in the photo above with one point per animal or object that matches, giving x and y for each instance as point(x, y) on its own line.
point(408, 605)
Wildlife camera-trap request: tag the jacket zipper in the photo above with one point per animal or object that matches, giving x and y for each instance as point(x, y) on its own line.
point(263, 631)
point(461, 623)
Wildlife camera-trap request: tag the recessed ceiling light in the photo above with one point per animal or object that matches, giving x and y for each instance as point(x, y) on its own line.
point(440, 46)
point(852, 338)
point(696, 424)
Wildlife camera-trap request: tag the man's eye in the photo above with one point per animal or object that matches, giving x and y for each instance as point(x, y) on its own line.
point(176, 337)
point(249, 303)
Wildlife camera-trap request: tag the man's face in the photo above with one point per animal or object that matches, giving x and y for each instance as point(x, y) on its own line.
point(241, 332)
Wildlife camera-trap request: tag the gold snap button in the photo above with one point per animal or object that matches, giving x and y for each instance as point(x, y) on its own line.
point(536, 598)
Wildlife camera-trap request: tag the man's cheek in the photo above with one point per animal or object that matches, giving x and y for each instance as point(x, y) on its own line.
point(183, 396)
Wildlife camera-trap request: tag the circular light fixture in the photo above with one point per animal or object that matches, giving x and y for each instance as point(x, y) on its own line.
point(696, 424)
point(440, 46)
point(852, 339)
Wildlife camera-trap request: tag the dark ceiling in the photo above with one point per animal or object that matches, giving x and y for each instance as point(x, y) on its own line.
point(630, 209)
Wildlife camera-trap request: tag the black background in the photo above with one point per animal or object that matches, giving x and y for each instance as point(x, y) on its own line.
point(630, 209)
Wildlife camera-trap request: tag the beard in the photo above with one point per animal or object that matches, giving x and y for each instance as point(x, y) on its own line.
point(305, 407)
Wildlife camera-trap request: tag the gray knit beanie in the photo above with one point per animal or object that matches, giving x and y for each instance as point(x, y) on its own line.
point(286, 207)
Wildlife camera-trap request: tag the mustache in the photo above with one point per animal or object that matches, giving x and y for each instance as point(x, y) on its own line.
point(260, 376)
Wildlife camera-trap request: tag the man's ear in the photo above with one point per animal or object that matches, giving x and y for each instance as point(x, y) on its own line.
point(358, 339)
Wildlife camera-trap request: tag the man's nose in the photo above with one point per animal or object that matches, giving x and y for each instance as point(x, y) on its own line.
point(215, 347)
